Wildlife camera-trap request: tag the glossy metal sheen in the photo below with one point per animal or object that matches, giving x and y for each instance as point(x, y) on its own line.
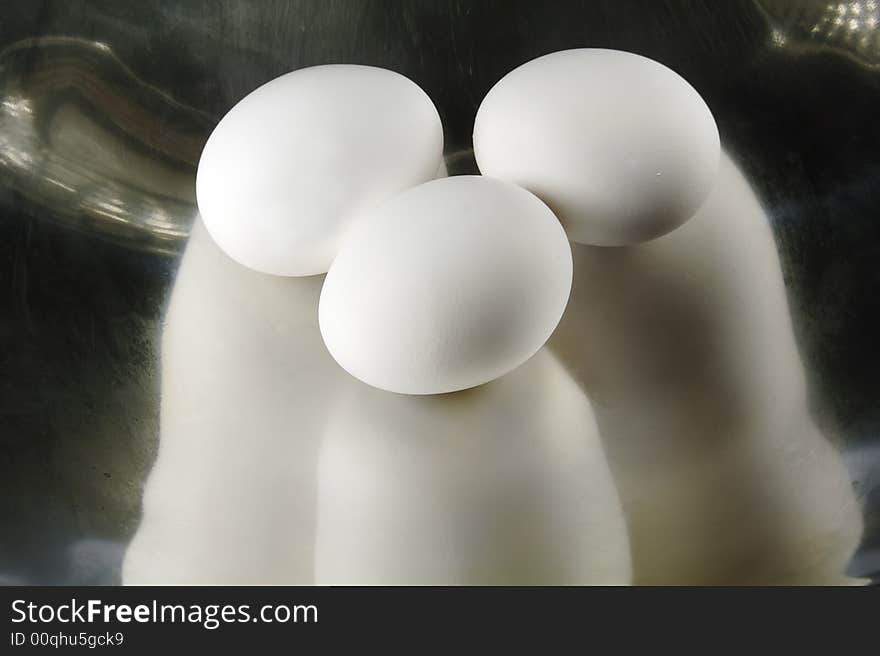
point(86, 139)
point(104, 108)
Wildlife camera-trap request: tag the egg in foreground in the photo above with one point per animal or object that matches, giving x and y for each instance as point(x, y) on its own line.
point(447, 286)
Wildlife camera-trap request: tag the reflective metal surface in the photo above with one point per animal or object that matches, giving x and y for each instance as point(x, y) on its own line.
point(95, 147)
point(103, 111)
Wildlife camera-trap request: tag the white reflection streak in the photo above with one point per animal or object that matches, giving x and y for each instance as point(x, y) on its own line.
point(58, 183)
point(17, 107)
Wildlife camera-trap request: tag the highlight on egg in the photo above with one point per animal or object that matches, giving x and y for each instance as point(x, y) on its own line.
point(621, 147)
point(286, 170)
point(446, 286)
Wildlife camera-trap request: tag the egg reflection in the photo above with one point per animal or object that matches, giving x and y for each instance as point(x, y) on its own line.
point(246, 383)
point(503, 484)
point(686, 347)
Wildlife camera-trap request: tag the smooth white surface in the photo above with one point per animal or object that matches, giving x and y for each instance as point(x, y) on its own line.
point(622, 148)
point(685, 346)
point(255, 412)
point(246, 390)
point(505, 484)
point(446, 286)
point(286, 170)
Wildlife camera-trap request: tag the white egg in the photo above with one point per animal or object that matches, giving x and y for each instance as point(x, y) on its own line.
point(447, 286)
point(288, 167)
point(621, 148)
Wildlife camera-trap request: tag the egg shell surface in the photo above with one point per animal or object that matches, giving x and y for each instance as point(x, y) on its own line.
point(621, 147)
point(447, 286)
point(287, 168)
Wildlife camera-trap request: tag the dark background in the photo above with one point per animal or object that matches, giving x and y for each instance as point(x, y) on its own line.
point(80, 308)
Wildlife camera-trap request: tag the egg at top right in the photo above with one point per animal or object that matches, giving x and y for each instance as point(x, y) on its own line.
point(619, 146)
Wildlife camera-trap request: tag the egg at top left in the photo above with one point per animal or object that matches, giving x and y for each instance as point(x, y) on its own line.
point(286, 170)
